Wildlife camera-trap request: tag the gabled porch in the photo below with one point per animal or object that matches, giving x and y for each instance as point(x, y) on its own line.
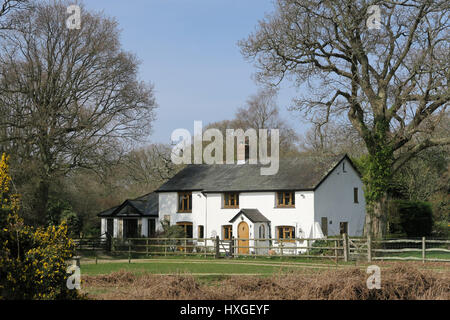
point(132, 219)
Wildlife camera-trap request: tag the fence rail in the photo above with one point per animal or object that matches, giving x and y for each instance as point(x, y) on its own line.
point(335, 248)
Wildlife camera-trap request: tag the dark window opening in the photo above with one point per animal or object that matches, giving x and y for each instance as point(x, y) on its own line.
point(110, 227)
point(130, 226)
point(185, 202)
point(151, 228)
point(187, 227)
point(201, 232)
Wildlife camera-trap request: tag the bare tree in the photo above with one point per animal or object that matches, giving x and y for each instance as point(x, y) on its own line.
point(8, 6)
point(150, 166)
point(332, 139)
point(261, 110)
point(387, 81)
point(68, 98)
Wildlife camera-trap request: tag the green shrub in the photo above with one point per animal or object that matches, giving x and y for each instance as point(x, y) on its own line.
point(410, 218)
point(318, 244)
point(32, 261)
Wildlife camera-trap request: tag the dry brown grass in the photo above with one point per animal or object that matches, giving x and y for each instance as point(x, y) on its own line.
point(399, 282)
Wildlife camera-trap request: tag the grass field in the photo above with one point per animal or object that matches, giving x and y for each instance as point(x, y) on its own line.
point(204, 266)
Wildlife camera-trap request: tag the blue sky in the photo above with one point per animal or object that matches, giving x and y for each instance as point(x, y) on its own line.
point(188, 50)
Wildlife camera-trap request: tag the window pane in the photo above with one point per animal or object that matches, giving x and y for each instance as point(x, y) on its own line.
point(287, 234)
point(190, 202)
point(151, 227)
point(180, 202)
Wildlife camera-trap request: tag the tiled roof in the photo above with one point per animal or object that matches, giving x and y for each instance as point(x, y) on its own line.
point(304, 173)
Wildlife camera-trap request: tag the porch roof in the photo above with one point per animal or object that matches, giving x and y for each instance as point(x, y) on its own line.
point(252, 214)
point(146, 205)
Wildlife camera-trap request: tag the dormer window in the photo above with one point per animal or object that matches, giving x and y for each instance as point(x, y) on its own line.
point(231, 200)
point(185, 202)
point(285, 199)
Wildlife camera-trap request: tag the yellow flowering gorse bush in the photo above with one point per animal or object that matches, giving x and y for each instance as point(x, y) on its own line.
point(32, 261)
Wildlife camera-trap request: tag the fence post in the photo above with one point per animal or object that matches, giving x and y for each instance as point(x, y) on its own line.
point(217, 247)
point(232, 247)
point(146, 246)
point(424, 250)
point(346, 251)
point(281, 244)
point(165, 247)
point(307, 247)
point(336, 250)
point(185, 247)
point(369, 248)
point(206, 247)
point(129, 251)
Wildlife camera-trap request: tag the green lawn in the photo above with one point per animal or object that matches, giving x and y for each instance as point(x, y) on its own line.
point(198, 265)
point(269, 259)
point(184, 267)
point(203, 266)
point(429, 255)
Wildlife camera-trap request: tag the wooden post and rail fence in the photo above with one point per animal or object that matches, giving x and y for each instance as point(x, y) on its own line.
point(341, 248)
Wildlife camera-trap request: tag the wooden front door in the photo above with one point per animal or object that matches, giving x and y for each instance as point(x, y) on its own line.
point(110, 227)
point(243, 234)
point(324, 224)
point(130, 227)
point(343, 227)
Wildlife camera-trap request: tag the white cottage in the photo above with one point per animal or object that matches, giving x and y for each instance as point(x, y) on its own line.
point(308, 197)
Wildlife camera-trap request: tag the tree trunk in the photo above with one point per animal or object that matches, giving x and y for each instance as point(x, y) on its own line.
point(376, 218)
point(42, 202)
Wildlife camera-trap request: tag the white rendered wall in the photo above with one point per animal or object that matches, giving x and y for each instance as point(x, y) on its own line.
point(103, 227)
point(301, 217)
point(207, 210)
point(168, 206)
point(334, 200)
